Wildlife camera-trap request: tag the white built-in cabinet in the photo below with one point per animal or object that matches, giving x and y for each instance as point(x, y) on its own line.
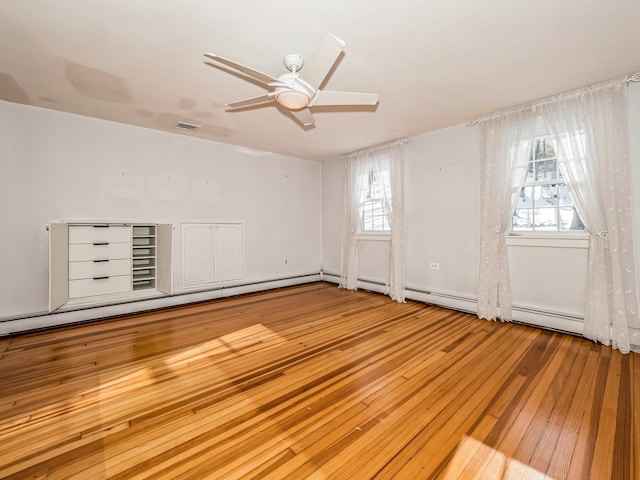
point(210, 253)
point(92, 264)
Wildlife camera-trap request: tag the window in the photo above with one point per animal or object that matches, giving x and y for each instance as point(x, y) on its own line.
point(374, 212)
point(545, 203)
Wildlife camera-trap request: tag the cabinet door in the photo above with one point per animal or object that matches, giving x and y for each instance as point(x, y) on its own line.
point(164, 258)
point(197, 244)
point(228, 251)
point(58, 265)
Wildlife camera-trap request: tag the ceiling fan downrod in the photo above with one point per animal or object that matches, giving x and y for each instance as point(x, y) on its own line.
point(293, 62)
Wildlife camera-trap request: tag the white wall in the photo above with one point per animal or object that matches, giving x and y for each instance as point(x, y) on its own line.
point(441, 183)
point(55, 165)
point(332, 214)
point(61, 166)
point(442, 208)
point(442, 211)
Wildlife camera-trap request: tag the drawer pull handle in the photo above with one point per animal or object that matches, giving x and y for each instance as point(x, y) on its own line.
point(100, 278)
point(101, 226)
point(100, 243)
point(100, 261)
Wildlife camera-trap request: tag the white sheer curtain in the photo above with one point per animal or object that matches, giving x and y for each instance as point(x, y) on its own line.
point(387, 161)
point(355, 179)
point(505, 146)
point(591, 128)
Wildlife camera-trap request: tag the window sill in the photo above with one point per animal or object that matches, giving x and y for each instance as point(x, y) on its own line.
point(374, 237)
point(541, 240)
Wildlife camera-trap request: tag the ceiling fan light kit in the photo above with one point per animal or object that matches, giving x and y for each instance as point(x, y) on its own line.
point(294, 93)
point(292, 99)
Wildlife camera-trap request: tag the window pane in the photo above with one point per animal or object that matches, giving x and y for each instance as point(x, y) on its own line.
point(569, 220)
point(367, 212)
point(546, 170)
point(367, 223)
point(545, 196)
point(372, 185)
point(526, 198)
point(564, 197)
point(379, 224)
point(373, 216)
point(545, 219)
point(544, 148)
point(531, 174)
point(378, 209)
point(550, 194)
point(523, 219)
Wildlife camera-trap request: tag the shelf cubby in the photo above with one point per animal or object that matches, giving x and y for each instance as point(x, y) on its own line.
point(143, 257)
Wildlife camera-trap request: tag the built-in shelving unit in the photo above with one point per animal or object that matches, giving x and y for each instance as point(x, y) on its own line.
point(143, 257)
point(97, 263)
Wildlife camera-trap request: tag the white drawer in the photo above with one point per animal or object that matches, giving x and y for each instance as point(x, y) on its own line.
point(99, 234)
point(89, 287)
point(81, 252)
point(99, 268)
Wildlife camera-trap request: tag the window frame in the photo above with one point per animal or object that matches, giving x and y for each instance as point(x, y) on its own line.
point(369, 185)
point(555, 237)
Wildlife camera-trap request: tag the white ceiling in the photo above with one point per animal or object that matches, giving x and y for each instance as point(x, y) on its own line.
point(434, 63)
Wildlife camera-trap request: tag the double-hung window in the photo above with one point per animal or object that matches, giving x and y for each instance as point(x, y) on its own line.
point(375, 203)
point(545, 203)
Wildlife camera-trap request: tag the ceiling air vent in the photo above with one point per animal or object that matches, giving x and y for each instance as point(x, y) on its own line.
point(187, 126)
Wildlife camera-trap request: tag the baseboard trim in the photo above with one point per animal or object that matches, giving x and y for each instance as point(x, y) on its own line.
point(526, 315)
point(46, 320)
point(548, 319)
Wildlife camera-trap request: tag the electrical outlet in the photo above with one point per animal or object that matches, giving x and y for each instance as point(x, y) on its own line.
point(434, 266)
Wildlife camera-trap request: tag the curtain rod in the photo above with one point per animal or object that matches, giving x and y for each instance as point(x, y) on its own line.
point(373, 148)
point(545, 101)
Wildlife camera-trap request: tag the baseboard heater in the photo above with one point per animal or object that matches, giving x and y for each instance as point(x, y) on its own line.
point(38, 321)
point(526, 315)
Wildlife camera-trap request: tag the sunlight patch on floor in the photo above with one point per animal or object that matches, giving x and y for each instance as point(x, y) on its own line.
point(475, 460)
point(232, 342)
point(203, 350)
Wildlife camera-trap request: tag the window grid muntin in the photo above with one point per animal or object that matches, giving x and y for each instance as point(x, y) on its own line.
point(373, 216)
point(543, 172)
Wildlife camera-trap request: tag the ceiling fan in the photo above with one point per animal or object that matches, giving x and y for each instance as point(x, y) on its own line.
point(295, 93)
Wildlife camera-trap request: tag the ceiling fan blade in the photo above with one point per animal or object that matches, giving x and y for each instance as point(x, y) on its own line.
point(251, 101)
point(303, 116)
point(323, 97)
point(321, 62)
point(261, 77)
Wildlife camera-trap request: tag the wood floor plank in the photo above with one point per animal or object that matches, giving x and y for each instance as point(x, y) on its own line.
point(570, 420)
point(407, 415)
point(607, 425)
point(635, 414)
point(315, 382)
point(431, 448)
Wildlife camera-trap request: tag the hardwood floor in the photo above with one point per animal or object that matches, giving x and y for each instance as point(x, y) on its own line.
point(315, 382)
